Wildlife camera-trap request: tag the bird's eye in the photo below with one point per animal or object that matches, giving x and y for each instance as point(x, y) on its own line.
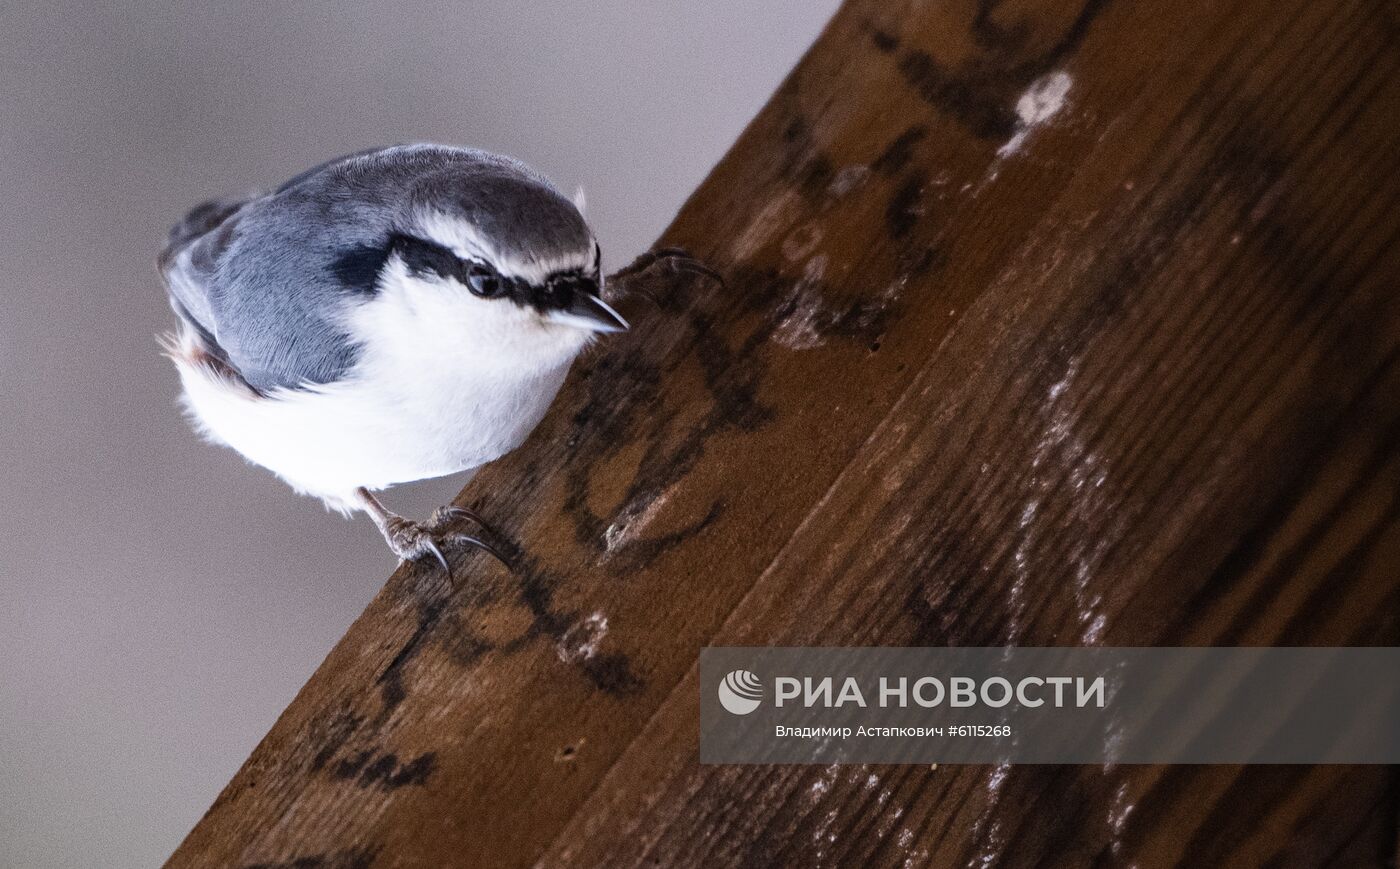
point(483, 282)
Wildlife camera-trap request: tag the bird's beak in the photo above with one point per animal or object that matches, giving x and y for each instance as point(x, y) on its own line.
point(591, 313)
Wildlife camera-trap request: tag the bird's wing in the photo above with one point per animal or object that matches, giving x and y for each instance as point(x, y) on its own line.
point(186, 277)
point(256, 289)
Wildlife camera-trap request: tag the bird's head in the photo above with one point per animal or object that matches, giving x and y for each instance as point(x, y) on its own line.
point(496, 256)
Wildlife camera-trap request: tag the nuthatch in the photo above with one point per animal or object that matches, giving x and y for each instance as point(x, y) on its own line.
point(395, 315)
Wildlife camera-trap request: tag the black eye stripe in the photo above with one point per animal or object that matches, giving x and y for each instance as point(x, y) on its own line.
point(557, 291)
point(425, 257)
point(357, 267)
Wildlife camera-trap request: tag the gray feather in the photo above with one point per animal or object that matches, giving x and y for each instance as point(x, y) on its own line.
point(265, 281)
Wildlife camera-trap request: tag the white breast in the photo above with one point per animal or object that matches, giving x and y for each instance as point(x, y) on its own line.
point(444, 382)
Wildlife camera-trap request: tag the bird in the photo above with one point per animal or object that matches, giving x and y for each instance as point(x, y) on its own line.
point(397, 314)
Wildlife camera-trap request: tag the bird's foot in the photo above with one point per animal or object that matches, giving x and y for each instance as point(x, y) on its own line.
point(412, 541)
point(673, 259)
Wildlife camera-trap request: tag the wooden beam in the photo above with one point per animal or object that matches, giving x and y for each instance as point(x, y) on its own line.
point(1046, 323)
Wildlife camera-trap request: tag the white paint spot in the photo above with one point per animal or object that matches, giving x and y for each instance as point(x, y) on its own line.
point(887, 819)
point(1044, 99)
point(802, 242)
point(1067, 480)
point(1093, 634)
point(806, 311)
point(991, 848)
point(581, 641)
point(993, 843)
point(997, 779)
point(631, 520)
point(848, 179)
point(821, 834)
point(765, 225)
point(798, 329)
point(823, 783)
point(1118, 813)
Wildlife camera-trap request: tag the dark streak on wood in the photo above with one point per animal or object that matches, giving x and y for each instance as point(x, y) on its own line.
point(900, 151)
point(905, 206)
point(385, 771)
point(355, 858)
point(804, 164)
point(391, 686)
point(981, 92)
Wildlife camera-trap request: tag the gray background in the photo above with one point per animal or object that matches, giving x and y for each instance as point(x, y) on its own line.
point(163, 601)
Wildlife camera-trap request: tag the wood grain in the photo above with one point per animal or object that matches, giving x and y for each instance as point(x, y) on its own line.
point(1125, 373)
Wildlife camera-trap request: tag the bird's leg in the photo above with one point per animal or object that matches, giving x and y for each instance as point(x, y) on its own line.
point(409, 540)
point(412, 540)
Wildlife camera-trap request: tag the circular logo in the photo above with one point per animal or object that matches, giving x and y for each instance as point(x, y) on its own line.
point(740, 692)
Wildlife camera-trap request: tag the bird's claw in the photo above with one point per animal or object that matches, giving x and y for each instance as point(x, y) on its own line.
point(444, 516)
point(412, 541)
point(679, 259)
point(489, 549)
point(675, 259)
point(432, 546)
point(450, 513)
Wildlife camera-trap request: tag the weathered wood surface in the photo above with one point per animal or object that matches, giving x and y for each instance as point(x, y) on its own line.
point(1125, 374)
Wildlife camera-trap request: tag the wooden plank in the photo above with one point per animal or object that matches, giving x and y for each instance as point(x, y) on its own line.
point(1046, 323)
